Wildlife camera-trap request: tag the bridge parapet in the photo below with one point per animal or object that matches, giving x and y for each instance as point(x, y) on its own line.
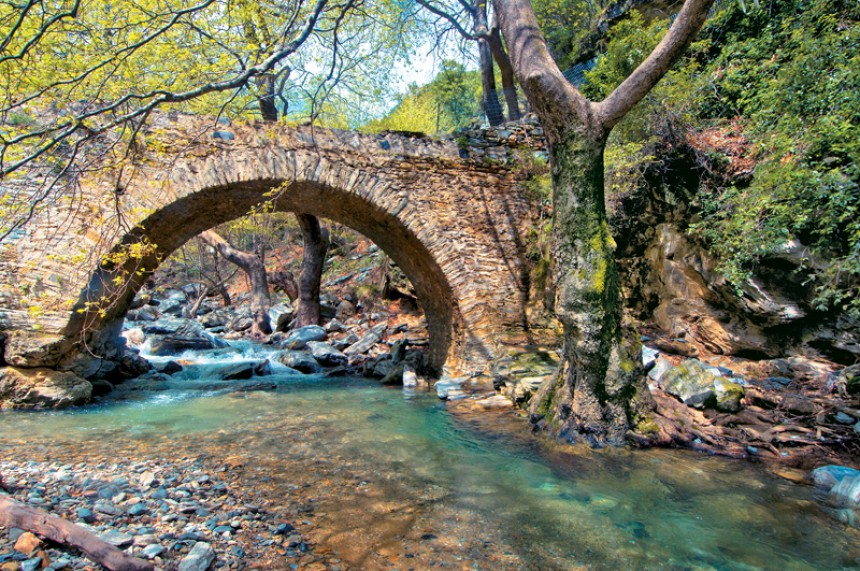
point(450, 212)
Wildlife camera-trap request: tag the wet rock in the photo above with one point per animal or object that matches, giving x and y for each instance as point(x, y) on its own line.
point(246, 370)
point(134, 336)
point(170, 368)
point(200, 558)
point(326, 354)
point(42, 388)
point(300, 361)
point(280, 316)
point(147, 314)
point(842, 488)
point(215, 319)
point(299, 338)
point(363, 346)
point(448, 387)
point(410, 378)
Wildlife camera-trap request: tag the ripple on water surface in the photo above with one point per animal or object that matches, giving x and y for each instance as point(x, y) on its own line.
point(395, 475)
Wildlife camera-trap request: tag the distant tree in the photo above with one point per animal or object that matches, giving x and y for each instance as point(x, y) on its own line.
point(469, 19)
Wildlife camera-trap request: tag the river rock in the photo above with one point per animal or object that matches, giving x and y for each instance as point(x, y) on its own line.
point(299, 338)
point(217, 318)
point(326, 354)
point(363, 346)
point(134, 336)
point(449, 387)
point(692, 381)
point(147, 313)
point(410, 378)
point(280, 316)
point(246, 370)
point(199, 559)
point(728, 394)
point(42, 388)
point(300, 361)
point(842, 488)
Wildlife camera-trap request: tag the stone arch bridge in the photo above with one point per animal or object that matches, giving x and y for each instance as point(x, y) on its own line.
point(452, 216)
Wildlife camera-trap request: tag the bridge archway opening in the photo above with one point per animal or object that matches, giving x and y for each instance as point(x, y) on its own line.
point(170, 227)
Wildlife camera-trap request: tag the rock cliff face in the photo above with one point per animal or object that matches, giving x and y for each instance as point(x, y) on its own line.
point(672, 284)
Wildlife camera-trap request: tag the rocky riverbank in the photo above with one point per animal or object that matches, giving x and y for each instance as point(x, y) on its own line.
point(179, 514)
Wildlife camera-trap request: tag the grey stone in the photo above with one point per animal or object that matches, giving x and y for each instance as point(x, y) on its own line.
point(280, 315)
point(299, 338)
point(300, 361)
point(200, 558)
point(326, 355)
point(692, 381)
point(246, 370)
point(116, 538)
point(363, 346)
point(152, 551)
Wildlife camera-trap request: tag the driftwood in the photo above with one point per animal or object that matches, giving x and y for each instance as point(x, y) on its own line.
point(43, 524)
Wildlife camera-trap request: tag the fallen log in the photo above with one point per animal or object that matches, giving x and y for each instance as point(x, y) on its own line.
point(45, 525)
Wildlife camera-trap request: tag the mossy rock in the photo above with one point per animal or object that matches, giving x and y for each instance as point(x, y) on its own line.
point(728, 394)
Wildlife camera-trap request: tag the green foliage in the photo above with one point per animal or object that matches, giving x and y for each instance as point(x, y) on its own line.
point(450, 102)
point(789, 74)
point(566, 24)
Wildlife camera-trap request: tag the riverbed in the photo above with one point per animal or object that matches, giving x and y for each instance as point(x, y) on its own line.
point(384, 478)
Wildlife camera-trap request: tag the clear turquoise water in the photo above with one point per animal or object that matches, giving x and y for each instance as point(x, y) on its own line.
point(491, 496)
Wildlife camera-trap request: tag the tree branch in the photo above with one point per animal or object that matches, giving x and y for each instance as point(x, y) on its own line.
point(680, 35)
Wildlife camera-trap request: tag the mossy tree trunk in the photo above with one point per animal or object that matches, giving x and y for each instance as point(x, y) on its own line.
point(599, 393)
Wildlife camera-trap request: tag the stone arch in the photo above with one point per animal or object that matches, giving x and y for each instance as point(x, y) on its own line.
point(176, 223)
point(454, 224)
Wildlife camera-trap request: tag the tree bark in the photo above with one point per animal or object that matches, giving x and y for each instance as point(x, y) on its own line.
point(45, 525)
point(316, 241)
point(266, 85)
point(491, 104)
point(256, 272)
point(509, 88)
point(599, 394)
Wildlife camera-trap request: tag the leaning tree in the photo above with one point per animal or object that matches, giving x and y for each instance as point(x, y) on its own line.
point(599, 394)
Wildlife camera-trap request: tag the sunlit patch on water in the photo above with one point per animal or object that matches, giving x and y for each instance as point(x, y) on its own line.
point(393, 481)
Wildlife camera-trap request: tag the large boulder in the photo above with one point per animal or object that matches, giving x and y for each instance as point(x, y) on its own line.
point(42, 388)
point(366, 344)
point(280, 316)
point(326, 354)
point(246, 370)
point(692, 381)
point(299, 338)
point(300, 361)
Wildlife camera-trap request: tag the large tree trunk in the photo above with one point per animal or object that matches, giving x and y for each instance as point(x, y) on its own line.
point(509, 88)
point(600, 392)
point(256, 272)
point(316, 241)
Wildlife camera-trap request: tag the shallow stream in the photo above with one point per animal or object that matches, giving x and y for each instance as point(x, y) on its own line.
point(390, 479)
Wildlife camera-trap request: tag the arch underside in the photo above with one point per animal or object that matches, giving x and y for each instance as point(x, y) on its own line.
point(176, 223)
